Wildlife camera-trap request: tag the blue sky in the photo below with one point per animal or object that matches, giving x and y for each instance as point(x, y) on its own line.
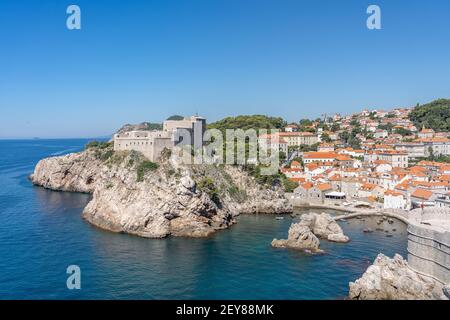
point(136, 61)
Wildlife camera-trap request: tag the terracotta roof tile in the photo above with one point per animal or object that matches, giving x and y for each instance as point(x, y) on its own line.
point(422, 194)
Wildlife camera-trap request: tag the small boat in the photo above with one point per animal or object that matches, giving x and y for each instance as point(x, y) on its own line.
point(279, 218)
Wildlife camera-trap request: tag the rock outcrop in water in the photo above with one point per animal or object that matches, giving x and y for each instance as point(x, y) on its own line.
point(324, 226)
point(392, 279)
point(304, 234)
point(299, 237)
point(131, 195)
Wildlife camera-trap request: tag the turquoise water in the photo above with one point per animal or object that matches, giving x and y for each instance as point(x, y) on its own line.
point(41, 233)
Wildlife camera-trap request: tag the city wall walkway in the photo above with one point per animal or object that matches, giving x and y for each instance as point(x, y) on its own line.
point(352, 212)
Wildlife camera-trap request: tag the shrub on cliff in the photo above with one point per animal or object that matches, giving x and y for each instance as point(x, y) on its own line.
point(207, 185)
point(143, 168)
point(98, 144)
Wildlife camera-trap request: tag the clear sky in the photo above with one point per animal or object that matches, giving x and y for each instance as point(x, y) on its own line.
point(136, 61)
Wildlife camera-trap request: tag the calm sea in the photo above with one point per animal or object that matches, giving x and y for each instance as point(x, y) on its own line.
point(41, 233)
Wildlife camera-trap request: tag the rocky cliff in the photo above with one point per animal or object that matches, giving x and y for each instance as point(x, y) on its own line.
point(392, 279)
point(135, 196)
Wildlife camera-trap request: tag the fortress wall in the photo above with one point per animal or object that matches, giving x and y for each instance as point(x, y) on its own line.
point(144, 145)
point(429, 251)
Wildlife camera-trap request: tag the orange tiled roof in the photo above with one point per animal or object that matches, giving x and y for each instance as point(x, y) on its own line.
point(324, 186)
point(299, 180)
point(392, 193)
point(402, 186)
point(417, 168)
point(319, 155)
point(335, 177)
point(295, 164)
point(378, 162)
point(368, 186)
point(312, 166)
point(431, 164)
point(422, 194)
point(342, 157)
point(307, 185)
point(444, 177)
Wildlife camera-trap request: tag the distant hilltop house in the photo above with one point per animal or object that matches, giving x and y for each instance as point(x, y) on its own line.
point(291, 128)
point(187, 131)
point(426, 133)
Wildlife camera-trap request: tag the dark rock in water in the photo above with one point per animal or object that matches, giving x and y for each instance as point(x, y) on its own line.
point(389, 235)
point(367, 230)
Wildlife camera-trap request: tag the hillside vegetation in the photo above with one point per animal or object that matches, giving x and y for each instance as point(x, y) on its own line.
point(434, 115)
point(246, 122)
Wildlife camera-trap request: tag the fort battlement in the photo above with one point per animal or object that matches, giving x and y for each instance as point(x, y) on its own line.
point(151, 143)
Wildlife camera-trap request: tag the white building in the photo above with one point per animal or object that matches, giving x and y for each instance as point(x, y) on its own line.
point(395, 200)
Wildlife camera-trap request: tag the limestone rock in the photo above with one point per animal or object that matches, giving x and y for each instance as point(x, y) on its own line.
point(336, 237)
point(324, 226)
point(392, 279)
point(299, 237)
point(165, 202)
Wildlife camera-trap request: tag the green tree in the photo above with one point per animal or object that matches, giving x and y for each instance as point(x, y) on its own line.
point(403, 132)
point(325, 137)
point(175, 117)
point(245, 122)
point(335, 127)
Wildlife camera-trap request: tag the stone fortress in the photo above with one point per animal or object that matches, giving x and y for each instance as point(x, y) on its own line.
point(429, 243)
point(188, 131)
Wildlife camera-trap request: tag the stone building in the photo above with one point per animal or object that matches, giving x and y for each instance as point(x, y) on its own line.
point(188, 131)
point(193, 126)
point(309, 193)
point(299, 138)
